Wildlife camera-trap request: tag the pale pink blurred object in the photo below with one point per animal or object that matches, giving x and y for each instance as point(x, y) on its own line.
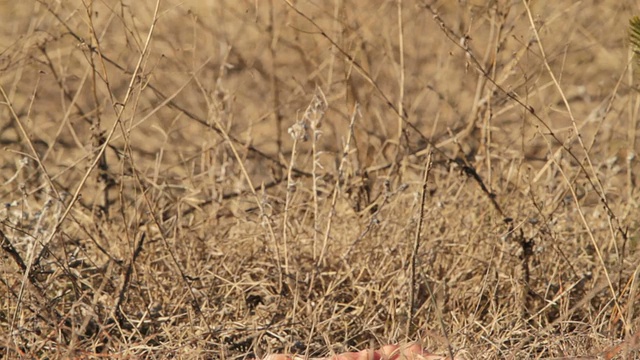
point(387, 352)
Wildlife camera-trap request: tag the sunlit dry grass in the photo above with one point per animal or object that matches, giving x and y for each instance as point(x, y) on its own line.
point(231, 179)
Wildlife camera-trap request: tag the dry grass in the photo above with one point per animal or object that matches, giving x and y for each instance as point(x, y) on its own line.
point(227, 179)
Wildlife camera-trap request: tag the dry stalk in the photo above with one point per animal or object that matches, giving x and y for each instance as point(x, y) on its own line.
point(273, 78)
point(593, 178)
point(170, 100)
point(299, 134)
point(97, 135)
point(32, 253)
point(360, 69)
point(336, 188)
point(27, 138)
point(119, 109)
point(314, 116)
point(401, 80)
point(266, 219)
point(416, 243)
point(118, 314)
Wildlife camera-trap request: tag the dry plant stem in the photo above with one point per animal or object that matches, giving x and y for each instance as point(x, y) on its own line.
point(315, 134)
point(633, 126)
point(127, 276)
point(19, 70)
point(96, 120)
point(556, 154)
point(633, 111)
point(73, 101)
point(96, 39)
point(337, 5)
point(593, 242)
point(291, 188)
point(313, 117)
point(491, 53)
point(439, 315)
point(6, 245)
point(401, 83)
point(597, 288)
point(350, 58)
point(587, 158)
point(336, 188)
point(530, 110)
point(119, 109)
point(96, 142)
point(367, 77)
point(600, 190)
point(416, 242)
point(273, 79)
point(170, 100)
point(32, 251)
point(118, 313)
point(167, 100)
point(263, 214)
point(27, 138)
point(334, 199)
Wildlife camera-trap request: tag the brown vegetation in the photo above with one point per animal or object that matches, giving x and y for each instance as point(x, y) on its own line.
point(230, 179)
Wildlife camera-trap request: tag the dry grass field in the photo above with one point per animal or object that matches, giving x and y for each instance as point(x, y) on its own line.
point(228, 179)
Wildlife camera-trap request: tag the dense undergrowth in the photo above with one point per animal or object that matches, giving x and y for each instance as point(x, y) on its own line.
point(229, 179)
